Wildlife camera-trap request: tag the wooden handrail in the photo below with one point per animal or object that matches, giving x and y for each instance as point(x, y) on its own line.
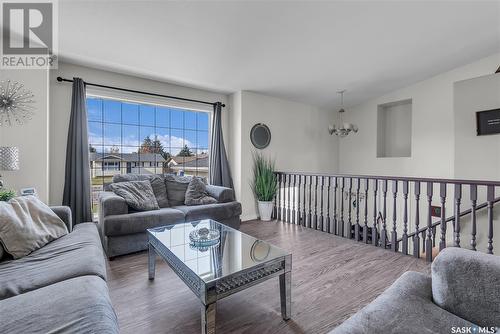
point(399, 178)
point(452, 218)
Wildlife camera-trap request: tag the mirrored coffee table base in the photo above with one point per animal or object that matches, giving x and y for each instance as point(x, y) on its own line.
point(225, 282)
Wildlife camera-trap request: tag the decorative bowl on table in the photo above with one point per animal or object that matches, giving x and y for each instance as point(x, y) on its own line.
point(203, 238)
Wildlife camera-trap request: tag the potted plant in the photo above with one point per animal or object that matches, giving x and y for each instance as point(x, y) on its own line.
point(6, 194)
point(264, 185)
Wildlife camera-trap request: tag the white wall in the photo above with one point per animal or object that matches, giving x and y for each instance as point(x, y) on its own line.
point(433, 133)
point(31, 138)
point(234, 141)
point(300, 140)
point(476, 156)
point(60, 105)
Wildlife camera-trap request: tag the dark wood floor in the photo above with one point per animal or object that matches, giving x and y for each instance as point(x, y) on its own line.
point(332, 278)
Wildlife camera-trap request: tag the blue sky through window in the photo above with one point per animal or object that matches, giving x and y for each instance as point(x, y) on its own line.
point(125, 125)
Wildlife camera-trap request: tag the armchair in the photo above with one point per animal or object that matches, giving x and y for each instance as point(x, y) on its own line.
point(462, 291)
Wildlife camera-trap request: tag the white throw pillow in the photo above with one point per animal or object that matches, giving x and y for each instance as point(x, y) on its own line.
point(27, 224)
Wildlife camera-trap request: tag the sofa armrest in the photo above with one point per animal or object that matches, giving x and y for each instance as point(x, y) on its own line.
point(221, 194)
point(403, 302)
point(64, 212)
point(467, 284)
point(111, 204)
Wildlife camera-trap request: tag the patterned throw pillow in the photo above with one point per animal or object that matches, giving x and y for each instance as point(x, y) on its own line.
point(196, 193)
point(139, 195)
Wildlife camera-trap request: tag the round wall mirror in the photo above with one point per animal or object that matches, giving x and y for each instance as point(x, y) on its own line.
point(260, 135)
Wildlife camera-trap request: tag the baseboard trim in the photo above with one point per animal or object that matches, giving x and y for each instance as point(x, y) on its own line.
point(248, 218)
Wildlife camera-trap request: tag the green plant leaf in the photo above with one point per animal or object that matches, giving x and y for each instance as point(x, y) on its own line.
point(6, 195)
point(264, 183)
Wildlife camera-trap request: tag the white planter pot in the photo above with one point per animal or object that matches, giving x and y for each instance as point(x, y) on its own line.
point(265, 210)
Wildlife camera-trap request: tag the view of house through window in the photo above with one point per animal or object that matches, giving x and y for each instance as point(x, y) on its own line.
point(140, 138)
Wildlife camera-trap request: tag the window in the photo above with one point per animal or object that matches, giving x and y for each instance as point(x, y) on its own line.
point(141, 138)
point(111, 166)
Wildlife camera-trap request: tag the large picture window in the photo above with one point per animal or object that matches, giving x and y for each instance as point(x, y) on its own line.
point(127, 137)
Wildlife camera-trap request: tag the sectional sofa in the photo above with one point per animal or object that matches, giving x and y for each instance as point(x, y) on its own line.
point(123, 231)
point(59, 288)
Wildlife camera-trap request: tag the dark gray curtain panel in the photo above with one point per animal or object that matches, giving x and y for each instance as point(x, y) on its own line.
point(77, 178)
point(220, 174)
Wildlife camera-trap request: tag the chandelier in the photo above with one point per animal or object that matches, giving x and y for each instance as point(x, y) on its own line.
point(342, 129)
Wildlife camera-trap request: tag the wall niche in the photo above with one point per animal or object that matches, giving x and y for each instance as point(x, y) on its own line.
point(394, 124)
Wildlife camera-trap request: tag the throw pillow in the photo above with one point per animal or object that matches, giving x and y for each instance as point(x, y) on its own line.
point(130, 177)
point(196, 193)
point(160, 190)
point(27, 225)
point(157, 183)
point(139, 195)
point(177, 187)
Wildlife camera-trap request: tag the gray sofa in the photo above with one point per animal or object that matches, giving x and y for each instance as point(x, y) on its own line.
point(463, 291)
point(59, 288)
point(123, 231)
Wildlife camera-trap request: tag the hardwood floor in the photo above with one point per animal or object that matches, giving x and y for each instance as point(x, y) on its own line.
point(332, 278)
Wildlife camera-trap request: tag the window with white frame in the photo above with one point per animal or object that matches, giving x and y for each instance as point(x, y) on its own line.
point(111, 165)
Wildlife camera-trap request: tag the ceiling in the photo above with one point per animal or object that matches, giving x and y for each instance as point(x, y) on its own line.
point(303, 51)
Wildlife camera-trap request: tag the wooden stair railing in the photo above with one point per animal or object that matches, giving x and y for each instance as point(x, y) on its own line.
point(342, 205)
point(449, 219)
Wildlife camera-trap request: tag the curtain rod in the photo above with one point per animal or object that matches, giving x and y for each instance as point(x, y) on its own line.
point(60, 79)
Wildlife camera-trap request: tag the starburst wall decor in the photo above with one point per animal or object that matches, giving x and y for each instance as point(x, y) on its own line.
point(15, 103)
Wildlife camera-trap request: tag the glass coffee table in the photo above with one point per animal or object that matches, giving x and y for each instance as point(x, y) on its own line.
point(235, 262)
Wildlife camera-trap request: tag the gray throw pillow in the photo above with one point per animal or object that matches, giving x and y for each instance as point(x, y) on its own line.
point(177, 187)
point(139, 195)
point(196, 193)
point(160, 190)
point(130, 177)
point(157, 183)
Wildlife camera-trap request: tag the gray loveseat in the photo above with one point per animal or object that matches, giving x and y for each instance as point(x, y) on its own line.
point(59, 288)
point(463, 291)
point(123, 231)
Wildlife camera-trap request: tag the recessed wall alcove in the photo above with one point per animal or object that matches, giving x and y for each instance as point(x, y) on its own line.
point(394, 124)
